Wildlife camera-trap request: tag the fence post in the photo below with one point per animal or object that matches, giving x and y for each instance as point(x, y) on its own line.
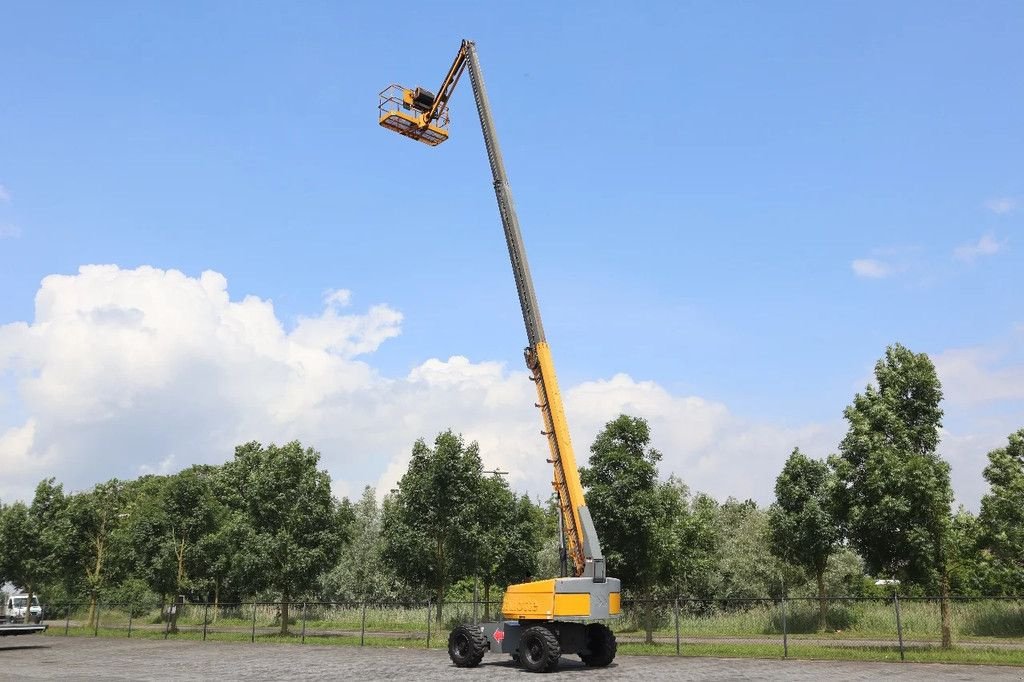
point(677, 626)
point(428, 623)
point(253, 640)
point(67, 619)
point(96, 625)
point(303, 622)
point(785, 630)
point(206, 617)
point(899, 626)
point(362, 626)
point(131, 615)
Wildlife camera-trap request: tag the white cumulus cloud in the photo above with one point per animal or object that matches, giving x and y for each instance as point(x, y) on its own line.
point(983, 374)
point(988, 245)
point(871, 268)
point(123, 372)
point(984, 402)
point(1002, 205)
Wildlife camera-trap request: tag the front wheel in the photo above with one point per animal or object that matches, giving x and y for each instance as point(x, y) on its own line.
point(467, 646)
point(601, 646)
point(539, 650)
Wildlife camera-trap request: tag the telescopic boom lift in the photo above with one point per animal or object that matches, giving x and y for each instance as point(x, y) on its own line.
point(545, 618)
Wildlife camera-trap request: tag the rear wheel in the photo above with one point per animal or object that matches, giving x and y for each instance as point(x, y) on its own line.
point(466, 646)
point(539, 650)
point(601, 646)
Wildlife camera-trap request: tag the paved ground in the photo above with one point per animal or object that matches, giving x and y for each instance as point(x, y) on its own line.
point(81, 658)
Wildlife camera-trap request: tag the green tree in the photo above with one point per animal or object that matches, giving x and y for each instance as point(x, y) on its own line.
point(804, 530)
point(293, 527)
point(139, 549)
point(19, 556)
point(96, 517)
point(511, 533)
point(896, 495)
point(181, 511)
point(221, 558)
point(747, 567)
point(191, 513)
point(431, 521)
point(549, 553)
point(1001, 521)
point(221, 554)
point(973, 570)
point(696, 541)
point(360, 572)
point(32, 537)
point(631, 512)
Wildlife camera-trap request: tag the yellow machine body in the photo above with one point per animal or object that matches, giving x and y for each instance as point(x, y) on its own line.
point(562, 599)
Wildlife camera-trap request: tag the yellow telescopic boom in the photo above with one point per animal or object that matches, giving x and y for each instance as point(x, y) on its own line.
point(586, 593)
point(580, 538)
point(429, 125)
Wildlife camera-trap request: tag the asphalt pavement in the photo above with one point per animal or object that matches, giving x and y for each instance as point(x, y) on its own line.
point(36, 657)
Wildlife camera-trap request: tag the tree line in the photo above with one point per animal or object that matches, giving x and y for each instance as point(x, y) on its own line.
point(265, 525)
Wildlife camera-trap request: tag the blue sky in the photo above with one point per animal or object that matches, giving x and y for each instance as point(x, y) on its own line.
point(735, 201)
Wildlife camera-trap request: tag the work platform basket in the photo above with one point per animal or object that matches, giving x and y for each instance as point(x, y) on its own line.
point(397, 113)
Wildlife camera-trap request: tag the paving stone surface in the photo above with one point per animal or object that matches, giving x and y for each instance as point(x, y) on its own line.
point(82, 658)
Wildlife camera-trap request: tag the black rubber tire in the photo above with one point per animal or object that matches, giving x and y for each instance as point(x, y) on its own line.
point(539, 650)
point(467, 646)
point(601, 646)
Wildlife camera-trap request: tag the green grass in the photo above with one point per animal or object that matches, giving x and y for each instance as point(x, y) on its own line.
point(766, 650)
point(859, 630)
point(859, 619)
point(838, 653)
point(245, 634)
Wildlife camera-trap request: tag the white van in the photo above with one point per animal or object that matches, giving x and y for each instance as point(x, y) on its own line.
point(16, 608)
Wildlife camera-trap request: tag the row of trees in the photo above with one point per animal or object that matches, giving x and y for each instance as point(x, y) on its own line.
point(887, 495)
point(264, 521)
point(265, 525)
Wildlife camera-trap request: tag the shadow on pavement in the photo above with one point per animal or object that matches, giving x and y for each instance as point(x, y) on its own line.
point(20, 647)
point(566, 665)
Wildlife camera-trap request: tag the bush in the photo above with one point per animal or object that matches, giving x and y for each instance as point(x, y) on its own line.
point(642, 616)
point(803, 617)
point(996, 618)
point(133, 595)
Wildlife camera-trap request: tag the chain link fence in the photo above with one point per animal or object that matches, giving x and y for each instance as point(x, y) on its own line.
point(893, 628)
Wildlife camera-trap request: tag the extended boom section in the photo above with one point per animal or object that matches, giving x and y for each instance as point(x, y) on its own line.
point(566, 480)
point(581, 543)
